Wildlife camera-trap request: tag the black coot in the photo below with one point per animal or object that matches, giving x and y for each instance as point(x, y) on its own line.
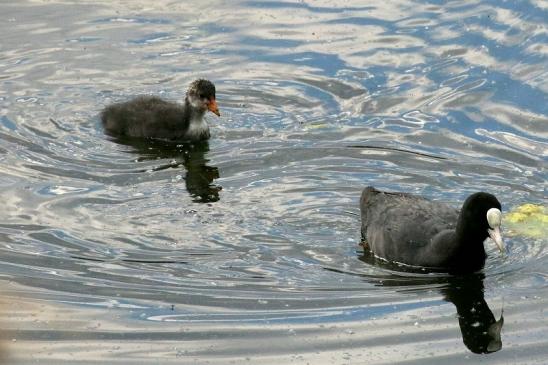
point(412, 230)
point(152, 117)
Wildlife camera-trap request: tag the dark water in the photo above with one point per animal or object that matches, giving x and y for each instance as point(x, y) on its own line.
point(245, 249)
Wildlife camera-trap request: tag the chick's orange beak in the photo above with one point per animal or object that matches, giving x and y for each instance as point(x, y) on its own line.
point(212, 106)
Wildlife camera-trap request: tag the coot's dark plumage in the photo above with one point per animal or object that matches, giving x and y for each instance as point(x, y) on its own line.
point(413, 230)
point(152, 117)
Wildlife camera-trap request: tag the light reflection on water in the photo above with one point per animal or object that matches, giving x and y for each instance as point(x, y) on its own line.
point(246, 247)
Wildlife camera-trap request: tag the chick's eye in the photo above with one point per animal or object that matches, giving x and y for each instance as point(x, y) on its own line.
point(202, 96)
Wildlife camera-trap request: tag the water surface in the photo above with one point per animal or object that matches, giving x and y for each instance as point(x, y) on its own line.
point(245, 249)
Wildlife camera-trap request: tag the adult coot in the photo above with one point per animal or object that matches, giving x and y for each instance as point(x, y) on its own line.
point(415, 231)
point(152, 117)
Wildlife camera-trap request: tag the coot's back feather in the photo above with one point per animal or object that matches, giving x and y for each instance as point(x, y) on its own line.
point(412, 230)
point(146, 116)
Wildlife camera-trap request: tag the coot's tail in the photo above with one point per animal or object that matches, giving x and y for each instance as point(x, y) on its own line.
point(366, 194)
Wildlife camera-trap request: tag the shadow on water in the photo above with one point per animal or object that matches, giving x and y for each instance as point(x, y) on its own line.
point(192, 156)
point(479, 328)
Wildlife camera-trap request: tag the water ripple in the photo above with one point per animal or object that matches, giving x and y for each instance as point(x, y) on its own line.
point(115, 250)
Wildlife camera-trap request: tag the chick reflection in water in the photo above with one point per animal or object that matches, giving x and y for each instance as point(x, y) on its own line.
point(192, 156)
point(480, 330)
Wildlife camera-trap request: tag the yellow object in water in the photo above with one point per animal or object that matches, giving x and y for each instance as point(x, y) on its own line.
point(527, 220)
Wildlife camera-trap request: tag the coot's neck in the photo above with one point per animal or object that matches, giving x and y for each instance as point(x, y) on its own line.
point(191, 113)
point(195, 123)
point(470, 236)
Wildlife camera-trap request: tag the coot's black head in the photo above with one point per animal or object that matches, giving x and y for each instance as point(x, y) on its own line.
point(481, 217)
point(201, 95)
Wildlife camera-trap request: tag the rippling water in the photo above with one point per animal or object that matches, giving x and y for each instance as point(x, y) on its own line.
point(246, 249)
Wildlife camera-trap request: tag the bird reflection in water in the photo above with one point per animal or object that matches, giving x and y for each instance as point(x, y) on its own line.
point(480, 330)
point(192, 156)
